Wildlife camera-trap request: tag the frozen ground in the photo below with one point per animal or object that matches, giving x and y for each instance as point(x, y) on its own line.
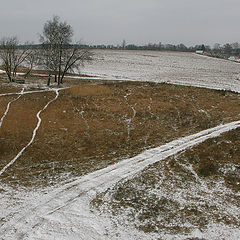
point(172, 67)
point(63, 212)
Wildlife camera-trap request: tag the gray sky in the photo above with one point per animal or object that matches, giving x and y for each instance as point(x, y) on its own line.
point(137, 21)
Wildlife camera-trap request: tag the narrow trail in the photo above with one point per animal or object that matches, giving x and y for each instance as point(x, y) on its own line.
point(129, 120)
point(8, 106)
point(28, 92)
point(33, 136)
point(65, 213)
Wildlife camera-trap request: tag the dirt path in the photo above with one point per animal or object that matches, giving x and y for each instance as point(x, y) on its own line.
point(28, 92)
point(34, 131)
point(65, 213)
point(8, 106)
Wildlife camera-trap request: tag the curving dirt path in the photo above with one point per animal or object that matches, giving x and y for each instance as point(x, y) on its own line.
point(34, 131)
point(8, 106)
point(65, 214)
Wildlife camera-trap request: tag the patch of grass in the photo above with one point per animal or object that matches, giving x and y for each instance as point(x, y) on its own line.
point(169, 198)
point(212, 156)
point(4, 102)
point(88, 90)
point(9, 88)
point(207, 169)
point(18, 125)
point(93, 125)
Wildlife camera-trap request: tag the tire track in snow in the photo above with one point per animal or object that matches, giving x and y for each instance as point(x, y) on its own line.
point(33, 136)
point(76, 196)
point(8, 106)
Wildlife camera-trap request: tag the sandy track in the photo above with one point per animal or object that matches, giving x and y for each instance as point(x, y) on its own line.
point(64, 213)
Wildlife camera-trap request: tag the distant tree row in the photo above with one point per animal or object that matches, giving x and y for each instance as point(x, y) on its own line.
point(232, 49)
point(225, 51)
point(228, 49)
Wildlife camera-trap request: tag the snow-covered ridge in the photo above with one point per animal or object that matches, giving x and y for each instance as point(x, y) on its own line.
point(171, 67)
point(49, 217)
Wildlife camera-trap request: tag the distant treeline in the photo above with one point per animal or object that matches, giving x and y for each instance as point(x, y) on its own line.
point(217, 50)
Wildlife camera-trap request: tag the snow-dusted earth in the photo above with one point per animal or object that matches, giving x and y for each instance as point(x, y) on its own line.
point(63, 212)
point(173, 67)
point(34, 131)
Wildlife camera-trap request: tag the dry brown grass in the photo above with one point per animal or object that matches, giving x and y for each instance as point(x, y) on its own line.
point(92, 126)
point(213, 155)
point(9, 88)
point(4, 102)
point(18, 125)
point(150, 200)
point(88, 91)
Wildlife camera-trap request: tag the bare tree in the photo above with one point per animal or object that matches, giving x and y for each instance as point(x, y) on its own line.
point(124, 44)
point(12, 57)
point(235, 45)
point(59, 55)
point(31, 61)
point(217, 46)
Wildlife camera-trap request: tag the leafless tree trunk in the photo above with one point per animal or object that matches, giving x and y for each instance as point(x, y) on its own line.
point(31, 61)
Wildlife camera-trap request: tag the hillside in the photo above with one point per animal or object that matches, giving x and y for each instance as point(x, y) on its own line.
point(53, 136)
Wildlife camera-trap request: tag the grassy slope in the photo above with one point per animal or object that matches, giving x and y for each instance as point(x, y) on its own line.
point(98, 123)
point(92, 126)
point(197, 189)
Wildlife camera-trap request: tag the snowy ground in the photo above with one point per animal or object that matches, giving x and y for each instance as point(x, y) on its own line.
point(172, 67)
point(64, 212)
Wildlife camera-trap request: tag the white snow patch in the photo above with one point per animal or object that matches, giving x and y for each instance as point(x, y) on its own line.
point(171, 67)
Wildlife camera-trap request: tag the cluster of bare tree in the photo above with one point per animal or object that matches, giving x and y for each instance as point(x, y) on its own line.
point(57, 53)
point(226, 50)
point(12, 58)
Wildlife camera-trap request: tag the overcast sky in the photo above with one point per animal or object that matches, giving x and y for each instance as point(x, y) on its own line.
point(137, 21)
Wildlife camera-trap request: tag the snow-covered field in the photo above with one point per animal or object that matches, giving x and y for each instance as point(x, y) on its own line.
point(63, 212)
point(172, 67)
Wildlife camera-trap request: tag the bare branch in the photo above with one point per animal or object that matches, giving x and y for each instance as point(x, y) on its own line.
point(59, 55)
point(11, 56)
